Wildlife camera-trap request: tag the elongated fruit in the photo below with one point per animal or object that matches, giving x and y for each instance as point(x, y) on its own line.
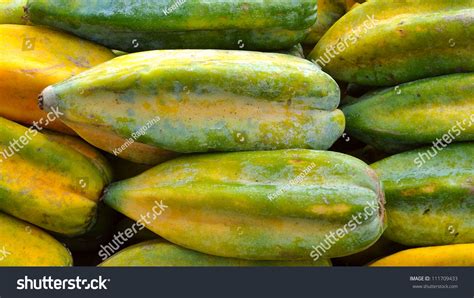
point(433, 110)
point(268, 205)
point(26, 245)
point(51, 181)
point(147, 25)
point(33, 58)
point(388, 42)
point(430, 197)
point(163, 254)
point(434, 256)
point(145, 106)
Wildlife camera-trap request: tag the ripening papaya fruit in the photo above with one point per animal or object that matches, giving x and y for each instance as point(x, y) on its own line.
point(429, 193)
point(22, 244)
point(133, 26)
point(454, 255)
point(33, 58)
point(263, 205)
point(100, 233)
point(388, 42)
point(158, 253)
point(328, 12)
point(434, 110)
point(50, 180)
point(11, 11)
point(148, 107)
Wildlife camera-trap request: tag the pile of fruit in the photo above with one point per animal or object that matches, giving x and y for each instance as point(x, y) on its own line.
point(236, 133)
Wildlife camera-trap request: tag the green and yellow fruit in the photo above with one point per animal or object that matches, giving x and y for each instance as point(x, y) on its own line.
point(11, 11)
point(268, 205)
point(50, 180)
point(22, 244)
point(133, 26)
point(158, 253)
point(430, 197)
point(147, 107)
point(328, 12)
point(447, 255)
point(33, 58)
point(100, 233)
point(388, 42)
point(433, 110)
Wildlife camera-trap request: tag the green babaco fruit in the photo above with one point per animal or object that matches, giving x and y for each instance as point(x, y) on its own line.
point(22, 244)
point(149, 107)
point(430, 195)
point(158, 253)
point(133, 26)
point(436, 110)
point(388, 42)
point(263, 205)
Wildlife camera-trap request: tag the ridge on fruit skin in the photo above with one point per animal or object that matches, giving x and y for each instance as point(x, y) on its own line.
point(50, 180)
point(200, 101)
point(133, 26)
point(408, 40)
point(431, 204)
point(263, 205)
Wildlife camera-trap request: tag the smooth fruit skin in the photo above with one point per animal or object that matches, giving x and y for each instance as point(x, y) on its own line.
point(243, 204)
point(455, 255)
point(415, 113)
point(328, 12)
point(430, 203)
point(26, 245)
point(53, 184)
point(158, 253)
point(133, 26)
point(400, 41)
point(189, 101)
point(33, 58)
point(11, 11)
